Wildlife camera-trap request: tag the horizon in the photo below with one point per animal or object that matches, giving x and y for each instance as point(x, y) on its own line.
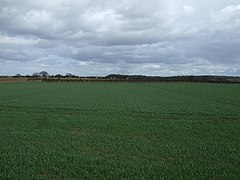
point(97, 38)
point(115, 74)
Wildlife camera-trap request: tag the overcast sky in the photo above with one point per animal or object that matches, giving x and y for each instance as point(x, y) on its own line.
point(99, 37)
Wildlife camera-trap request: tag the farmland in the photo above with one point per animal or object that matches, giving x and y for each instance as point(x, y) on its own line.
point(119, 130)
point(12, 79)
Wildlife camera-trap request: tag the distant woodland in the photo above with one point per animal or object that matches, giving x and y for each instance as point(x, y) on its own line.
point(69, 77)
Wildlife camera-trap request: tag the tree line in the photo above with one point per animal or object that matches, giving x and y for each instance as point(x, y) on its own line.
point(45, 76)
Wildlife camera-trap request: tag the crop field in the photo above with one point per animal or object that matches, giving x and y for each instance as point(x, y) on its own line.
point(119, 131)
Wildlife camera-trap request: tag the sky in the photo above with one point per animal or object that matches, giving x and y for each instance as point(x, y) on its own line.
point(101, 37)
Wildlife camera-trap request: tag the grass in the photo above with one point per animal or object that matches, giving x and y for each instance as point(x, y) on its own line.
point(119, 130)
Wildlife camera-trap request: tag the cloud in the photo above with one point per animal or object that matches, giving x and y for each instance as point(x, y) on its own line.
point(189, 10)
point(167, 37)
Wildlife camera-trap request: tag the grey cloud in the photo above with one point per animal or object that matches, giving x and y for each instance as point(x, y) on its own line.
point(100, 37)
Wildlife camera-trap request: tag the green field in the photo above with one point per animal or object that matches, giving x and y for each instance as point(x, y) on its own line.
point(119, 130)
